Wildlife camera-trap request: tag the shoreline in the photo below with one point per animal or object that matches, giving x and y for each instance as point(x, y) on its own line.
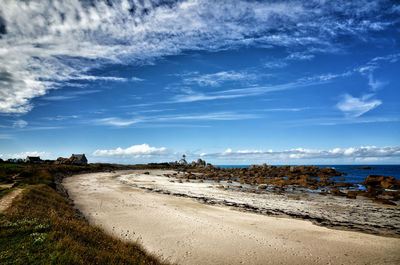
point(179, 229)
point(326, 211)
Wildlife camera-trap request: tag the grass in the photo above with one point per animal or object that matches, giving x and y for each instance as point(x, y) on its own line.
point(41, 227)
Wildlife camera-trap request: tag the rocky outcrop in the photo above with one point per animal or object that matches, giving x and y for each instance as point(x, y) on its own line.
point(381, 182)
point(264, 178)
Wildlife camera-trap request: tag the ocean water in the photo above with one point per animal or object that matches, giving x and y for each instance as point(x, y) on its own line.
point(354, 175)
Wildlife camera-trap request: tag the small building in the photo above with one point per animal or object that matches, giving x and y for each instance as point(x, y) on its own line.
point(78, 159)
point(61, 160)
point(33, 159)
point(183, 160)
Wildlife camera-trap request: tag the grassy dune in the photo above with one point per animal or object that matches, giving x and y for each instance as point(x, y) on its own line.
point(41, 227)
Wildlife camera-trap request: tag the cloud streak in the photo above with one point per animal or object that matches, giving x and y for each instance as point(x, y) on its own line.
point(257, 90)
point(216, 79)
point(46, 43)
point(216, 116)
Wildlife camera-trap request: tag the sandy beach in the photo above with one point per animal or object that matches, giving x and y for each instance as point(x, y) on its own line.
point(169, 220)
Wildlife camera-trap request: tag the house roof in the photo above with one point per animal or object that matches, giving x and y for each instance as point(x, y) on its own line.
point(33, 158)
point(78, 156)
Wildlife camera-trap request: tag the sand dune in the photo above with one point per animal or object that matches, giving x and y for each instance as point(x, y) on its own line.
point(185, 231)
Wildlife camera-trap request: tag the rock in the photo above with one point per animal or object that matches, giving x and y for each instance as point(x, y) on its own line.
point(383, 201)
point(380, 182)
point(352, 194)
point(366, 168)
point(337, 192)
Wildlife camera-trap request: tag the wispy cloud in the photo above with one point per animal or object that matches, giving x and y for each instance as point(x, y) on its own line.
point(375, 84)
point(6, 136)
point(273, 63)
point(216, 79)
point(70, 95)
point(330, 121)
point(136, 79)
point(285, 109)
point(20, 124)
point(52, 42)
point(352, 120)
point(103, 78)
point(216, 116)
point(300, 56)
point(256, 90)
point(369, 68)
point(114, 121)
point(62, 117)
point(355, 107)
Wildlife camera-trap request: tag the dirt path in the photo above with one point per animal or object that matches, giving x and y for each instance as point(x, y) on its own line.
point(184, 231)
point(6, 201)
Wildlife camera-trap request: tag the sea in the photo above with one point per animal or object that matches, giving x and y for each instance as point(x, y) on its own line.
point(355, 174)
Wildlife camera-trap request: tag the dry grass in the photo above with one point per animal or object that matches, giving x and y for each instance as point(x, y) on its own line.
point(42, 228)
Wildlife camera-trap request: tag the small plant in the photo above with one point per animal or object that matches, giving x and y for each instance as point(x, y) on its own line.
point(41, 227)
point(38, 237)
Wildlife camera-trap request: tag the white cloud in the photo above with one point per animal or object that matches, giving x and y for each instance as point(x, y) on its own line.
point(25, 154)
point(362, 152)
point(355, 107)
point(45, 43)
point(137, 151)
point(20, 124)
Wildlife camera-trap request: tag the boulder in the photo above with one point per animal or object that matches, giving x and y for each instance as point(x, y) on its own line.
point(380, 182)
point(337, 192)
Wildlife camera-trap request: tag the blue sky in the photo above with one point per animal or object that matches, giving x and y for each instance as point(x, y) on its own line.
point(232, 82)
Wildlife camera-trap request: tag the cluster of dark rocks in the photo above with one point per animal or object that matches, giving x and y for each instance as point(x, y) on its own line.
point(380, 189)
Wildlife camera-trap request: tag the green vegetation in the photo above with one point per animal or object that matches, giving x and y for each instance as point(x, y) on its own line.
point(41, 227)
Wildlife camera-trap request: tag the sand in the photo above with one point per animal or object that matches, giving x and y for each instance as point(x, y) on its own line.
point(331, 211)
point(183, 230)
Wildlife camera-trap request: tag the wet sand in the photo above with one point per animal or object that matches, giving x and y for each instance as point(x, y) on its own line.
point(183, 230)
